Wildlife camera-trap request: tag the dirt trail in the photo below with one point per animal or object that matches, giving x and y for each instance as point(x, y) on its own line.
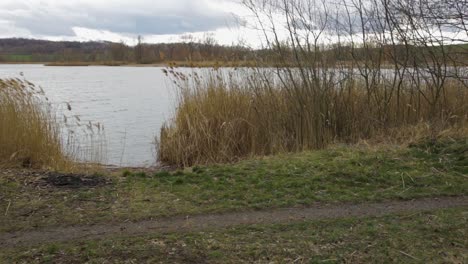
point(214, 221)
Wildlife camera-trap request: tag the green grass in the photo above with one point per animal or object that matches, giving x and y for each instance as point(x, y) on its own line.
point(339, 174)
point(431, 237)
point(18, 57)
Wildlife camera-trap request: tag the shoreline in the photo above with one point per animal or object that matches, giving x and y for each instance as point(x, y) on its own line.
point(182, 64)
point(160, 64)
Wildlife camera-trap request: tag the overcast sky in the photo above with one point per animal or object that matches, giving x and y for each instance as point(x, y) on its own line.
point(123, 20)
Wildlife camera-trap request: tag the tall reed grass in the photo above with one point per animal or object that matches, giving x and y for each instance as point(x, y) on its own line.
point(225, 116)
point(31, 134)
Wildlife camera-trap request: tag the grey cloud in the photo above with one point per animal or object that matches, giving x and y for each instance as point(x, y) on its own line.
point(53, 21)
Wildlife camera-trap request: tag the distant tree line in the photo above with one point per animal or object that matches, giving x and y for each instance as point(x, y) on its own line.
point(192, 50)
point(32, 50)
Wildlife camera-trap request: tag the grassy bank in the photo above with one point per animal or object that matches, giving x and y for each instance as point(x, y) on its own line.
point(436, 237)
point(339, 174)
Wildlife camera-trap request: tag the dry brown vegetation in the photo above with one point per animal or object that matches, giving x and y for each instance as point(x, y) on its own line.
point(401, 81)
point(222, 119)
point(31, 135)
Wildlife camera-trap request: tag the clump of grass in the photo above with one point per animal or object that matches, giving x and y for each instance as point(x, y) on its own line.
point(29, 132)
point(126, 173)
point(226, 116)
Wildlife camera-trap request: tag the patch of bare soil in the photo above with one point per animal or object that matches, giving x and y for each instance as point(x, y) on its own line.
point(216, 221)
point(73, 180)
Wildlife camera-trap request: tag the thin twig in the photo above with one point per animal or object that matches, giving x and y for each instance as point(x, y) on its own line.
point(296, 260)
point(8, 207)
point(408, 255)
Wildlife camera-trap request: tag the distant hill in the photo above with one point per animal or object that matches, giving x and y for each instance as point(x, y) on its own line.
point(29, 46)
point(33, 50)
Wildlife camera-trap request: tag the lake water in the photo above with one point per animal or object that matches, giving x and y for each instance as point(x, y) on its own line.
point(131, 102)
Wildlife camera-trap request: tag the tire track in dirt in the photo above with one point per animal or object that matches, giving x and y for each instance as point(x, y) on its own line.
point(225, 220)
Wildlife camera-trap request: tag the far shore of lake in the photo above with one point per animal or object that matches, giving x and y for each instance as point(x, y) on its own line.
point(186, 64)
point(196, 64)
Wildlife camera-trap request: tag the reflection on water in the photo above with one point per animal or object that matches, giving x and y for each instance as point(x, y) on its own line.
point(131, 103)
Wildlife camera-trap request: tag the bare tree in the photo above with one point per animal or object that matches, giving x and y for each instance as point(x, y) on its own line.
point(394, 47)
point(139, 49)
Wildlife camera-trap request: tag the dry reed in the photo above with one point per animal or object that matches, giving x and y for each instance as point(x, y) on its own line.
point(32, 136)
point(223, 117)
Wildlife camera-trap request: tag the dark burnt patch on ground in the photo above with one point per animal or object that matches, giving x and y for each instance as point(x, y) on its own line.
point(73, 181)
point(47, 179)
